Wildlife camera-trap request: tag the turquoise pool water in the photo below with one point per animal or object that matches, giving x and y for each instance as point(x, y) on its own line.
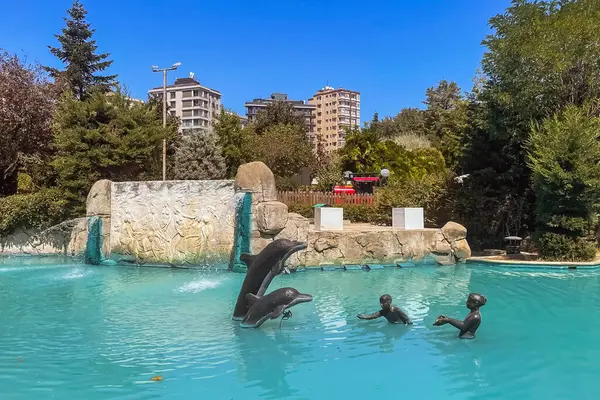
point(69, 331)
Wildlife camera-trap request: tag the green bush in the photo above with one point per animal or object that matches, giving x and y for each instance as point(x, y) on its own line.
point(563, 156)
point(557, 247)
point(25, 183)
point(428, 192)
point(38, 210)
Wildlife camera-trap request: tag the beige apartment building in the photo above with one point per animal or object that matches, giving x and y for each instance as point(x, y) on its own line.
point(336, 111)
point(195, 105)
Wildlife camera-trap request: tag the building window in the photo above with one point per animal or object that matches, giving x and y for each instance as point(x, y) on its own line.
point(172, 104)
point(173, 94)
point(186, 113)
point(196, 113)
point(173, 113)
point(186, 103)
point(196, 93)
point(196, 103)
point(186, 94)
point(196, 122)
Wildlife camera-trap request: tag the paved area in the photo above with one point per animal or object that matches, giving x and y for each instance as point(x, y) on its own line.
point(364, 227)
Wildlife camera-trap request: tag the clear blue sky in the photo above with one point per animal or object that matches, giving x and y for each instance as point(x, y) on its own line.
point(389, 50)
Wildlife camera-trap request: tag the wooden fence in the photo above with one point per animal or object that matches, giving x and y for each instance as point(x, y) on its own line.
point(312, 198)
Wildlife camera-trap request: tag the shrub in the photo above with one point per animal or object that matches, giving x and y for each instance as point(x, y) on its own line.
point(558, 247)
point(412, 141)
point(563, 156)
point(38, 210)
point(428, 192)
point(24, 184)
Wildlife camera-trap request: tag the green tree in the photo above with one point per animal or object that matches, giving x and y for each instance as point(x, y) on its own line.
point(199, 157)
point(564, 152)
point(25, 117)
point(364, 152)
point(78, 52)
point(285, 149)
point(277, 113)
point(409, 121)
point(230, 137)
point(446, 121)
point(106, 137)
point(327, 168)
point(539, 60)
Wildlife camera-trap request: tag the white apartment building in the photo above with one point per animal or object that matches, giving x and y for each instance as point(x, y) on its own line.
point(194, 104)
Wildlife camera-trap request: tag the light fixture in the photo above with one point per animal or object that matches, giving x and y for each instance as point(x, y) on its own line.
point(385, 172)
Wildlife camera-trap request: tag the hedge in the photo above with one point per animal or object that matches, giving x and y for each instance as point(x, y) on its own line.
point(39, 210)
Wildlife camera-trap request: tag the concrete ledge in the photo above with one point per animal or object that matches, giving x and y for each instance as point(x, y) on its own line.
point(534, 264)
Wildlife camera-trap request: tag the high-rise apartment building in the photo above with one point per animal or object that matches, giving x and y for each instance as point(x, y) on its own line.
point(300, 107)
point(335, 110)
point(194, 104)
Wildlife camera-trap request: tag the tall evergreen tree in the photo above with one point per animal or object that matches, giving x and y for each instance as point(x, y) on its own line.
point(78, 52)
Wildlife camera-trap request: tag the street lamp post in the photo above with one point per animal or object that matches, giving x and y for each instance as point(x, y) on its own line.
point(164, 150)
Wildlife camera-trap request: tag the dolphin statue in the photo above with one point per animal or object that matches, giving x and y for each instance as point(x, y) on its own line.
point(272, 305)
point(262, 268)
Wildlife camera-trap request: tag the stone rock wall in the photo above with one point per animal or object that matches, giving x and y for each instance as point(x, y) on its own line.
point(269, 216)
point(381, 246)
point(98, 204)
point(173, 222)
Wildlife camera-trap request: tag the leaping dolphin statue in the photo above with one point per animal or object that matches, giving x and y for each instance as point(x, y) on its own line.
point(262, 268)
point(272, 305)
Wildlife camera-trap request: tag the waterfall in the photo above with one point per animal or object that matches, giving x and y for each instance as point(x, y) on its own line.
point(93, 248)
point(243, 230)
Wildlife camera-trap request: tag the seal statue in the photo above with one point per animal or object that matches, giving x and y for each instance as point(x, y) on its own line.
point(469, 326)
point(262, 268)
point(272, 305)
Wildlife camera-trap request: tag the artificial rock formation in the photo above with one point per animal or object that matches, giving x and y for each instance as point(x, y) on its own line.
point(270, 221)
point(98, 204)
point(269, 216)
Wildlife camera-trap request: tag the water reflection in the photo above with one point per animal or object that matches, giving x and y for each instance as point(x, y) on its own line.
point(278, 350)
point(387, 336)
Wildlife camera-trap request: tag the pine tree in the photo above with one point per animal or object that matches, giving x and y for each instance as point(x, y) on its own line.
point(78, 52)
point(198, 157)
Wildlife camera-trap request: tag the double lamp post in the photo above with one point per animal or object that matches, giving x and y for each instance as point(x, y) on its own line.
point(164, 98)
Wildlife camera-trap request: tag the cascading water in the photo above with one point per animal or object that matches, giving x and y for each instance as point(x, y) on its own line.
point(93, 248)
point(243, 229)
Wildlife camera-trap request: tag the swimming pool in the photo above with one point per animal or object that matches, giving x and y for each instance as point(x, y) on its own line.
point(70, 331)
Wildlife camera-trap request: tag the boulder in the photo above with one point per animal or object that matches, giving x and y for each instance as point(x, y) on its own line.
point(257, 178)
point(442, 246)
point(271, 217)
point(98, 199)
point(462, 251)
point(454, 232)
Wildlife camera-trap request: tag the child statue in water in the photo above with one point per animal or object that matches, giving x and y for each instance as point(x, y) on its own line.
point(393, 314)
point(469, 326)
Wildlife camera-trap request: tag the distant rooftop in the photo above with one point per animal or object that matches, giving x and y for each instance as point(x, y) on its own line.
point(182, 82)
point(332, 89)
point(278, 97)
